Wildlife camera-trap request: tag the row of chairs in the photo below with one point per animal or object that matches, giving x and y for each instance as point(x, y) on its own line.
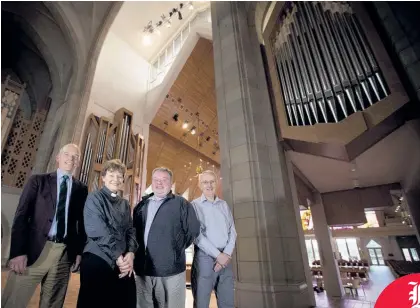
point(361, 275)
point(361, 263)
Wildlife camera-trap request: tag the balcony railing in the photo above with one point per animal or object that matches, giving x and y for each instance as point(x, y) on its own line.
point(164, 60)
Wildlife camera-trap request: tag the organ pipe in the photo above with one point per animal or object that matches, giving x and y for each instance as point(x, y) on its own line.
point(325, 63)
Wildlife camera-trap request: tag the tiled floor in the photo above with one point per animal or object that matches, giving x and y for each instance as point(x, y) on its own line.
point(380, 277)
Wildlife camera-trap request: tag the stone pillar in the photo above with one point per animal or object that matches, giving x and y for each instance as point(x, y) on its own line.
point(330, 271)
point(268, 262)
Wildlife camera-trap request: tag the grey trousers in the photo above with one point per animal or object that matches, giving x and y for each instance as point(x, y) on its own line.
point(204, 280)
point(161, 292)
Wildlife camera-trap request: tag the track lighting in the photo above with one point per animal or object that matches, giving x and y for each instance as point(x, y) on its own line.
point(150, 28)
point(185, 125)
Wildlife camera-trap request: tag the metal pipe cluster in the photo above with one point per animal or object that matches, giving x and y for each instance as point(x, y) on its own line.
point(101, 149)
point(124, 137)
point(87, 157)
point(326, 67)
point(111, 146)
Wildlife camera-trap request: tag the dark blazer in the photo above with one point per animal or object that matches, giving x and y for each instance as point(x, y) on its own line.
point(35, 214)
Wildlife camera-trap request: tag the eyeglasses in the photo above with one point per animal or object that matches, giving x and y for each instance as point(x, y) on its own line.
point(207, 183)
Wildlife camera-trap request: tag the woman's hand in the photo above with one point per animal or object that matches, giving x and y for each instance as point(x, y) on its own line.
point(126, 266)
point(120, 260)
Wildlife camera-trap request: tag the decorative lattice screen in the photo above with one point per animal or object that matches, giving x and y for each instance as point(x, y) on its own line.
point(20, 149)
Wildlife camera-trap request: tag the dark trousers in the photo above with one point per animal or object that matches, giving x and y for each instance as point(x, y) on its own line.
point(101, 287)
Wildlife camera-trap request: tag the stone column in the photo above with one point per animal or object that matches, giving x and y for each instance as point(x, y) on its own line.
point(330, 271)
point(268, 262)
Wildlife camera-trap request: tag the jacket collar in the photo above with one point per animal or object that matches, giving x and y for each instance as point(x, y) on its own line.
point(170, 195)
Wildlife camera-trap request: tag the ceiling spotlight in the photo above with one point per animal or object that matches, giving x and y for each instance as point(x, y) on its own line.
point(175, 117)
point(190, 6)
point(168, 24)
point(185, 125)
point(193, 131)
point(147, 40)
point(179, 15)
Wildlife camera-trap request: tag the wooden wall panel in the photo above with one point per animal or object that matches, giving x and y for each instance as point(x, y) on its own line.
point(166, 151)
point(192, 97)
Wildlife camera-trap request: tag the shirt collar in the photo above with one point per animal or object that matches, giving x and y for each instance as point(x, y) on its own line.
point(61, 173)
point(203, 199)
point(156, 198)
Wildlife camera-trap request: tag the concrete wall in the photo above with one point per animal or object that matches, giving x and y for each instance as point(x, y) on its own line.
point(402, 25)
point(348, 207)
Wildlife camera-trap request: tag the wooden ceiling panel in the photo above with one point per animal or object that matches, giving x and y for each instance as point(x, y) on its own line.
point(166, 151)
point(193, 92)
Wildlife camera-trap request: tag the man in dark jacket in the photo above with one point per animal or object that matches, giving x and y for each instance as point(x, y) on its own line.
point(166, 225)
point(47, 235)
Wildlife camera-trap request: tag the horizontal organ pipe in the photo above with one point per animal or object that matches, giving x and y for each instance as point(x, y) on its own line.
point(324, 58)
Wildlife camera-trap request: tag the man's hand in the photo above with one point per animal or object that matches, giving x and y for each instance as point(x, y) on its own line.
point(18, 264)
point(126, 266)
point(217, 267)
point(76, 264)
point(223, 259)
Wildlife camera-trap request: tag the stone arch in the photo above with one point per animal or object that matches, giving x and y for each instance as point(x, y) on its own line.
point(80, 77)
point(91, 67)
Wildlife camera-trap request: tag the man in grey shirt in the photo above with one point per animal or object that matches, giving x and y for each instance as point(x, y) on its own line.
point(213, 248)
point(166, 224)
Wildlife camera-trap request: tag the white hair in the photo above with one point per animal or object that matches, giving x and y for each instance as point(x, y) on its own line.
point(73, 145)
point(208, 172)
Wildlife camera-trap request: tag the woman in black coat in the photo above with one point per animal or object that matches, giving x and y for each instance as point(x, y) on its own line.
point(106, 270)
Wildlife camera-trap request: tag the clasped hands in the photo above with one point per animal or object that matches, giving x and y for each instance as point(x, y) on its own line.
point(222, 261)
point(125, 264)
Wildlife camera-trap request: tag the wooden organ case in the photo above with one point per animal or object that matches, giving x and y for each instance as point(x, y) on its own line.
point(103, 141)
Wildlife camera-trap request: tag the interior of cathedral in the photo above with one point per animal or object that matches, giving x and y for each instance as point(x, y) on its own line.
point(307, 112)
